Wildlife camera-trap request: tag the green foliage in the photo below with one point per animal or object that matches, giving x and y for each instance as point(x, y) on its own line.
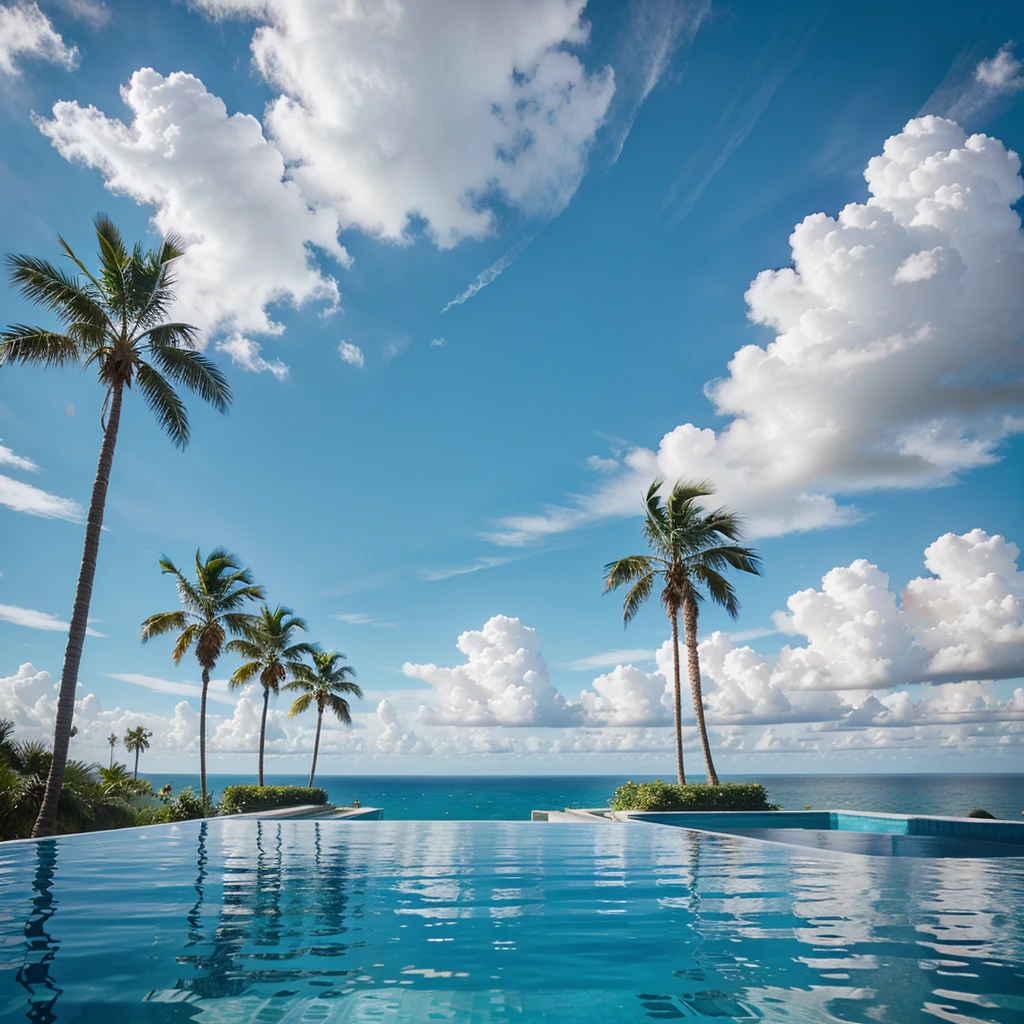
point(118, 781)
point(980, 812)
point(186, 806)
point(243, 799)
point(85, 804)
point(664, 796)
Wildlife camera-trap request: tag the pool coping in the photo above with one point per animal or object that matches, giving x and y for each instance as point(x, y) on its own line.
point(999, 830)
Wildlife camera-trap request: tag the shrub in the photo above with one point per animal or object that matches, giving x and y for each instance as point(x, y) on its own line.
point(665, 796)
point(243, 799)
point(980, 812)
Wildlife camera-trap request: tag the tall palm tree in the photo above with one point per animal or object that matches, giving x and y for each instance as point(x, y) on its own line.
point(323, 683)
point(267, 644)
point(689, 556)
point(209, 612)
point(115, 321)
point(137, 740)
point(112, 740)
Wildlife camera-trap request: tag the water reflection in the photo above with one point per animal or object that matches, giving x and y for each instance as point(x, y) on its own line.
point(40, 947)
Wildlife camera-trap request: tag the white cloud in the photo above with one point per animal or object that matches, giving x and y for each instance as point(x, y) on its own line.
point(477, 565)
point(896, 360)
point(438, 343)
point(241, 732)
point(9, 458)
point(245, 353)
point(397, 113)
point(214, 179)
point(608, 659)
point(37, 620)
point(627, 696)
point(1001, 73)
point(351, 354)
point(972, 93)
point(26, 32)
point(93, 12)
point(393, 739)
point(361, 619)
point(21, 497)
point(217, 690)
point(504, 681)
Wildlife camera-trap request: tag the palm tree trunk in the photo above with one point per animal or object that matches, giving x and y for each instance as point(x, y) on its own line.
point(693, 665)
point(137, 752)
point(111, 755)
point(680, 773)
point(47, 819)
point(202, 733)
point(263, 727)
point(316, 742)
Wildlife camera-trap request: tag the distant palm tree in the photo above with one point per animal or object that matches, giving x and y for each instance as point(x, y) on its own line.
point(112, 740)
point(323, 683)
point(115, 321)
point(209, 612)
point(688, 559)
point(267, 643)
point(137, 740)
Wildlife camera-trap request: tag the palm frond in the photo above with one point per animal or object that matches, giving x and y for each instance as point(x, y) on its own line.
point(164, 403)
point(300, 705)
point(730, 555)
point(37, 346)
point(637, 596)
point(163, 623)
point(48, 286)
point(244, 673)
point(718, 587)
point(340, 708)
point(625, 570)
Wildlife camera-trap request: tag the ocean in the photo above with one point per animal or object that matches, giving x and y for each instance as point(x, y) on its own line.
point(512, 797)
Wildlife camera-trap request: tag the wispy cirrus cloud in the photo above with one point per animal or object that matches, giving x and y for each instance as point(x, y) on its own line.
point(22, 497)
point(362, 619)
point(609, 659)
point(218, 689)
point(477, 565)
point(37, 620)
point(973, 89)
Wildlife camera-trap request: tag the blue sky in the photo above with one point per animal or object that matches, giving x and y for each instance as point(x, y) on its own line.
point(619, 175)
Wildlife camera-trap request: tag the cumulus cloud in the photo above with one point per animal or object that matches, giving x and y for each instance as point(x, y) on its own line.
point(896, 361)
point(970, 92)
point(393, 739)
point(214, 179)
point(26, 32)
point(351, 354)
point(245, 353)
point(402, 113)
point(627, 696)
point(504, 681)
point(37, 620)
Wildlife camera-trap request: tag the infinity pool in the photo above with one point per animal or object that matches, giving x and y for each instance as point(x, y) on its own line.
point(473, 922)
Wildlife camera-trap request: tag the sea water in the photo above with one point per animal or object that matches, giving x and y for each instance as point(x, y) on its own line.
point(511, 798)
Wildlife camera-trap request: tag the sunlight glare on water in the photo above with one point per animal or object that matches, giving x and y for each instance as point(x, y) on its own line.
point(393, 922)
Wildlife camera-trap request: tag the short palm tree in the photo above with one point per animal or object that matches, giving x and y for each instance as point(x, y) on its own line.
point(689, 555)
point(210, 610)
point(135, 741)
point(267, 644)
point(115, 321)
point(112, 740)
point(323, 684)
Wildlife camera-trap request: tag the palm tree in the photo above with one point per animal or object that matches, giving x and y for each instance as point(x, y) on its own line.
point(323, 683)
point(267, 643)
point(115, 321)
point(112, 740)
point(209, 612)
point(137, 740)
point(688, 559)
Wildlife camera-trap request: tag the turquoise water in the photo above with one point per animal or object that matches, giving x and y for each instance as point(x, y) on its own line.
point(472, 922)
point(511, 798)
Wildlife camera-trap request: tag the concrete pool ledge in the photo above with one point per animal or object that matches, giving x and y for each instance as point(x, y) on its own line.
point(318, 812)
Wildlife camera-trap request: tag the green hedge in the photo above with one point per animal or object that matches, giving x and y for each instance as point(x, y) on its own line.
point(242, 799)
point(665, 796)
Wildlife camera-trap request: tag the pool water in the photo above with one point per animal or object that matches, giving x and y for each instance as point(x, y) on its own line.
point(474, 922)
